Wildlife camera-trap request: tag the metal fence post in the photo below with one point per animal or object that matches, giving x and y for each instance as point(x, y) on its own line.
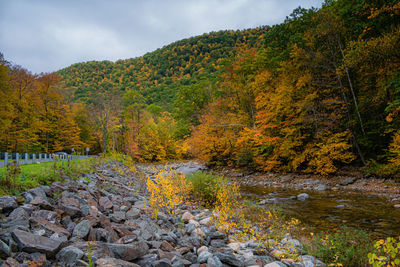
point(5, 159)
point(16, 158)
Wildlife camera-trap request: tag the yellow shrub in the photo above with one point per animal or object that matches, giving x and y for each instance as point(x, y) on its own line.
point(227, 212)
point(167, 191)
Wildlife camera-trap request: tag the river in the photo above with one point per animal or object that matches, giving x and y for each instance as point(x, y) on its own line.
point(327, 210)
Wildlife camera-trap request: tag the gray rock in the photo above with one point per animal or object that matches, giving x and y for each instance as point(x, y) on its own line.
point(82, 229)
point(286, 178)
point(303, 196)
point(124, 208)
point(71, 210)
point(34, 193)
point(68, 256)
point(306, 264)
point(147, 260)
point(190, 257)
point(229, 259)
point(217, 235)
point(340, 206)
point(4, 250)
point(315, 261)
point(266, 259)
point(133, 214)
point(162, 216)
point(50, 228)
point(320, 187)
point(268, 201)
point(12, 225)
point(7, 203)
point(118, 216)
point(42, 203)
point(348, 181)
point(108, 262)
point(203, 256)
point(275, 264)
point(51, 216)
point(162, 263)
point(218, 243)
point(28, 242)
point(85, 209)
point(190, 228)
point(181, 263)
point(214, 262)
point(128, 252)
point(18, 214)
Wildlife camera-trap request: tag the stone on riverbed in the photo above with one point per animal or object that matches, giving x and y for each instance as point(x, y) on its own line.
point(348, 181)
point(303, 196)
point(320, 187)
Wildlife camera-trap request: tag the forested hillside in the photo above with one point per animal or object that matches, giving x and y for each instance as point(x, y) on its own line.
point(313, 94)
point(322, 92)
point(157, 76)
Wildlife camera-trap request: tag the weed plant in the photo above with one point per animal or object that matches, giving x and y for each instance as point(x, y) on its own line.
point(344, 247)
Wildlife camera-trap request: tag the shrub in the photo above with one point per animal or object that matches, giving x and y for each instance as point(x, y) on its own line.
point(389, 170)
point(387, 253)
point(205, 187)
point(228, 214)
point(168, 190)
point(345, 247)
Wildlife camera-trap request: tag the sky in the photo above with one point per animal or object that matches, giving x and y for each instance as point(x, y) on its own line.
point(47, 35)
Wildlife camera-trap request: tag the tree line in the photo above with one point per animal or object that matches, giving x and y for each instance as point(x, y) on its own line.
point(313, 94)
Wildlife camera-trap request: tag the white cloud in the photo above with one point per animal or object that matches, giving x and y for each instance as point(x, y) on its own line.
point(47, 35)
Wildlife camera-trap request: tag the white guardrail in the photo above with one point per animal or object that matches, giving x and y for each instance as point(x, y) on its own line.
point(27, 158)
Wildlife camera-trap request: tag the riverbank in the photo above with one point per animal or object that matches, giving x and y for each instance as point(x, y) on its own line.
point(103, 219)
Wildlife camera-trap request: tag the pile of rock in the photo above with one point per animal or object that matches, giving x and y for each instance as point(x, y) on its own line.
point(100, 221)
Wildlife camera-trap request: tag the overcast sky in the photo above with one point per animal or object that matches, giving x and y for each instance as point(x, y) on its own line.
point(46, 35)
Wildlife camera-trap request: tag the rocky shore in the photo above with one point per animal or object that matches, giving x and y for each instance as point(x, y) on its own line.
point(103, 220)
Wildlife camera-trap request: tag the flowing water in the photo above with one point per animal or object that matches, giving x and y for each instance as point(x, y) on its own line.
point(331, 209)
point(326, 210)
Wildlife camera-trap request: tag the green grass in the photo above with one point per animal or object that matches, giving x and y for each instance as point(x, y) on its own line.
point(348, 247)
point(16, 179)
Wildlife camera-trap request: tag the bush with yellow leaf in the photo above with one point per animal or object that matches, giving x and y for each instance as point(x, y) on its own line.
point(387, 253)
point(168, 190)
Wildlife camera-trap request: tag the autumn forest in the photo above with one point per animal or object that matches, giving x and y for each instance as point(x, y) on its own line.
point(316, 93)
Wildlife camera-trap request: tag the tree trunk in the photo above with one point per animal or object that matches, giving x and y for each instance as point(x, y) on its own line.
point(351, 89)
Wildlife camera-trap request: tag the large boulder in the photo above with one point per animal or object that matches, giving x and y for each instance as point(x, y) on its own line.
point(28, 242)
point(34, 193)
point(229, 258)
